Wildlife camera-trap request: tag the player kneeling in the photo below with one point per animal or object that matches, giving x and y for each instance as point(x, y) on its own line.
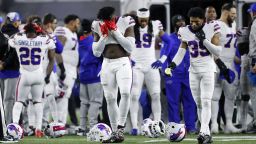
point(55, 130)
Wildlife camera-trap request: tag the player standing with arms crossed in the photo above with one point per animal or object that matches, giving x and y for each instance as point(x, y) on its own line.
point(114, 39)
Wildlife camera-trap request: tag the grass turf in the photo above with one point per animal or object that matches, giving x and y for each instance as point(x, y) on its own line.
point(190, 139)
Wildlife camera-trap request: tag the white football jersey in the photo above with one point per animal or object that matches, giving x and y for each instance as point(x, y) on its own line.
point(46, 59)
point(31, 51)
point(145, 46)
point(201, 60)
point(70, 49)
point(122, 24)
point(228, 41)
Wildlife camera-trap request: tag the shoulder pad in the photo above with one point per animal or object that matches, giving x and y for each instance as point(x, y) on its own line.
point(94, 25)
point(129, 21)
point(59, 31)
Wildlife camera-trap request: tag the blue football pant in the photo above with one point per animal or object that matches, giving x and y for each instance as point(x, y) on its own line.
point(177, 92)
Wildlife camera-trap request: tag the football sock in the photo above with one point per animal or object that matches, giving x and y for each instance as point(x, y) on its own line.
point(53, 107)
point(229, 109)
point(134, 109)
point(215, 110)
point(39, 115)
point(124, 108)
point(113, 112)
point(31, 114)
point(17, 108)
point(156, 106)
point(205, 116)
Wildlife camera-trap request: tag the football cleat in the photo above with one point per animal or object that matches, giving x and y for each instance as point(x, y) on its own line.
point(116, 137)
point(204, 139)
point(39, 133)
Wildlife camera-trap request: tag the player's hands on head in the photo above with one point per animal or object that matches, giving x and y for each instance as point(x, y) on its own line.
point(111, 24)
point(104, 29)
point(200, 35)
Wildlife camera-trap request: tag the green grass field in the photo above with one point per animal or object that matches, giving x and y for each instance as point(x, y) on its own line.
point(190, 139)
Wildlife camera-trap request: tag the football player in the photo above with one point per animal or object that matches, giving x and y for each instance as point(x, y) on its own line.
point(177, 87)
point(49, 25)
point(114, 39)
point(202, 40)
point(228, 40)
point(210, 14)
point(146, 66)
point(31, 47)
point(68, 37)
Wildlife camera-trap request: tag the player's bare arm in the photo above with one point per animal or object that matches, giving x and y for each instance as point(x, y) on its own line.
point(216, 39)
point(51, 55)
point(237, 60)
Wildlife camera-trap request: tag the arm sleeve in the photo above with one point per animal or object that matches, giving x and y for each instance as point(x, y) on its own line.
point(128, 43)
point(98, 47)
point(215, 50)
point(179, 56)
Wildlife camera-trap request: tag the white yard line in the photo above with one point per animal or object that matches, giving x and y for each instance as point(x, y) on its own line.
point(215, 138)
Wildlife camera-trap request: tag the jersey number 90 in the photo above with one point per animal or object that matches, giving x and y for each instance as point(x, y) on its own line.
point(30, 56)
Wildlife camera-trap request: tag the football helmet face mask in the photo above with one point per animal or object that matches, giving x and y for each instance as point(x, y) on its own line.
point(157, 128)
point(55, 130)
point(146, 127)
point(99, 132)
point(175, 132)
point(15, 131)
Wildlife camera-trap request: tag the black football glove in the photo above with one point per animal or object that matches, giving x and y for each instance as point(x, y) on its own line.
point(223, 69)
point(62, 71)
point(200, 35)
point(47, 79)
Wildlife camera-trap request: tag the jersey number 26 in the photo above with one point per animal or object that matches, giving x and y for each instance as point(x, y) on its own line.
point(30, 56)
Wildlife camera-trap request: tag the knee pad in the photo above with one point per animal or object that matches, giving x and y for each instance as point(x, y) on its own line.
point(245, 97)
